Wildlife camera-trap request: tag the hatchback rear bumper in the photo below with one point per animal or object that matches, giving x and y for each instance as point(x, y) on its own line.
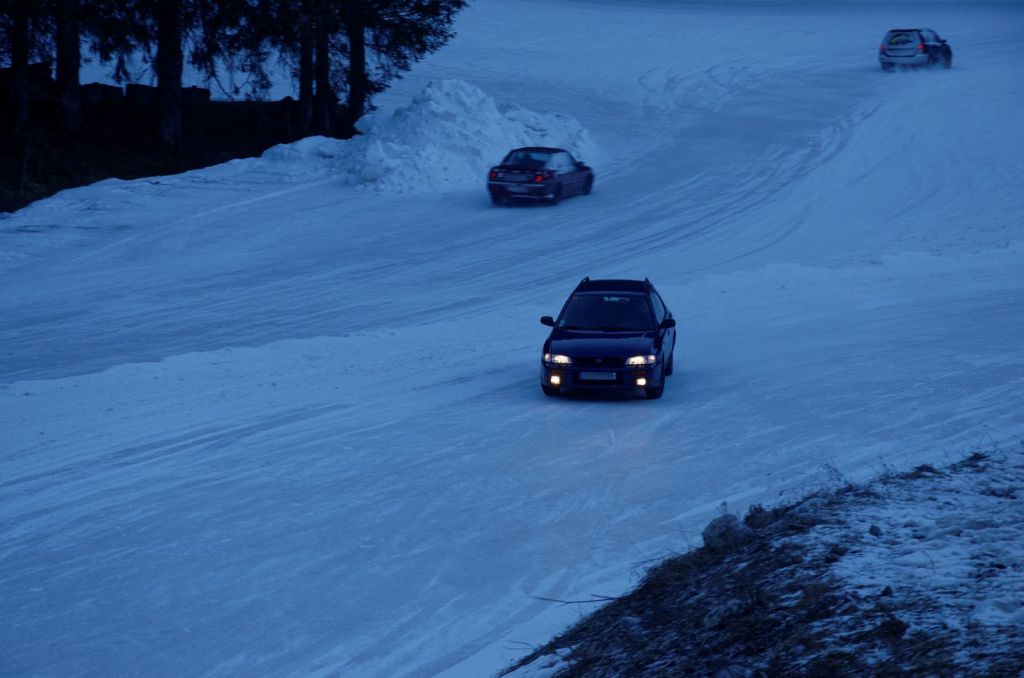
point(911, 60)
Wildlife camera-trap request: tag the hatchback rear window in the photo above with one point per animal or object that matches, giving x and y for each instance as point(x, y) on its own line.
point(901, 38)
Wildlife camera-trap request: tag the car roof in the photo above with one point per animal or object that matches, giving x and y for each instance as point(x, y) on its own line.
point(610, 285)
point(904, 30)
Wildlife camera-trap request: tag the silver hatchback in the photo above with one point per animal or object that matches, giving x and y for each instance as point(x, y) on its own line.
point(913, 47)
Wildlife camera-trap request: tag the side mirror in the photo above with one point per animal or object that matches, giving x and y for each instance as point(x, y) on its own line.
point(547, 320)
point(581, 165)
point(668, 323)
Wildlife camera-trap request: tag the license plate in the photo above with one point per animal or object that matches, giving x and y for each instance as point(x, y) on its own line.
point(518, 189)
point(597, 376)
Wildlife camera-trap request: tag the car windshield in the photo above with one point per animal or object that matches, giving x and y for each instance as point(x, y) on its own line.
point(531, 159)
point(607, 312)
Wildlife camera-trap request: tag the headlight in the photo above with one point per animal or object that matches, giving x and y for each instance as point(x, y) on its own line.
point(557, 359)
point(642, 360)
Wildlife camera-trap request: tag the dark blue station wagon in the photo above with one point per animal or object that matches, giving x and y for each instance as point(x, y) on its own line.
point(612, 335)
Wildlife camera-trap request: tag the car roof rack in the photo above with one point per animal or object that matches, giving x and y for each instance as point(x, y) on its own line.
point(613, 285)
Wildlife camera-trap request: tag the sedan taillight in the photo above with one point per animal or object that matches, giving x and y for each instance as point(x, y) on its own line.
point(493, 174)
point(538, 178)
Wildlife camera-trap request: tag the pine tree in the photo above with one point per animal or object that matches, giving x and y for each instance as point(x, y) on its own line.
point(396, 33)
point(67, 21)
point(18, 38)
point(161, 29)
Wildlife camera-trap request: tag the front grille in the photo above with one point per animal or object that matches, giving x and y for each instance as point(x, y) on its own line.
point(598, 362)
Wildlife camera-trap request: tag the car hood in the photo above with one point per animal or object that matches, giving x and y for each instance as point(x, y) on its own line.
point(601, 344)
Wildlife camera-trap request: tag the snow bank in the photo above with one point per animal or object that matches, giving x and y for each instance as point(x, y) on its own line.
point(445, 139)
point(915, 573)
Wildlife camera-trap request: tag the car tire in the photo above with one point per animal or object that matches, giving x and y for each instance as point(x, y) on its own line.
point(654, 392)
point(549, 390)
point(671, 365)
point(556, 195)
point(497, 199)
point(588, 185)
point(947, 60)
point(888, 68)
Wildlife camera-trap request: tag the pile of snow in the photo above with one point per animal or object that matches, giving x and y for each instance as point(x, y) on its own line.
point(446, 138)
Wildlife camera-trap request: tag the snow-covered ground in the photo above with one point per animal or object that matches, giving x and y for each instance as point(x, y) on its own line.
point(281, 416)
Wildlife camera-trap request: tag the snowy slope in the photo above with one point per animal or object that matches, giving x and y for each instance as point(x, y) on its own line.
point(281, 416)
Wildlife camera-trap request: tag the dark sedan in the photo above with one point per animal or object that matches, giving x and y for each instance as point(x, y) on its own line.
point(539, 173)
point(614, 335)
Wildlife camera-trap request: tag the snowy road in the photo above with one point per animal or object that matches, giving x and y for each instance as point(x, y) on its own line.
point(258, 421)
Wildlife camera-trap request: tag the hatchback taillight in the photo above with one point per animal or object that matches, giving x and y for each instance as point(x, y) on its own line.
point(920, 48)
point(538, 178)
point(493, 174)
point(881, 49)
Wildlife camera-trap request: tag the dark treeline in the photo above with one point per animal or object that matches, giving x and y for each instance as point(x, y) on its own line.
point(340, 54)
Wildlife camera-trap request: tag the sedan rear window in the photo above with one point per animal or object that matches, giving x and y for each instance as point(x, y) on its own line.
point(533, 159)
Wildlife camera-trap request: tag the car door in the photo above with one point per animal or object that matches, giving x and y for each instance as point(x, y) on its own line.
point(901, 44)
point(566, 170)
point(933, 43)
point(661, 314)
point(578, 175)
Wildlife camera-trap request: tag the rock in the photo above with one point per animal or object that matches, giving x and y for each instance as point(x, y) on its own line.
point(875, 531)
point(726, 533)
point(716, 616)
point(893, 627)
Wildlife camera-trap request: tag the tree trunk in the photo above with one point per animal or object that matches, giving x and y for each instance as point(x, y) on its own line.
point(324, 92)
point(305, 118)
point(357, 80)
point(169, 64)
point(19, 65)
point(69, 62)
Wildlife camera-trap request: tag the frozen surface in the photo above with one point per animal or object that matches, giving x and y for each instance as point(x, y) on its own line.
point(281, 416)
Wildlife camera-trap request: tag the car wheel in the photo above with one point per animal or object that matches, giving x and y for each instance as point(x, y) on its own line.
point(654, 392)
point(588, 185)
point(549, 390)
point(947, 61)
point(556, 195)
point(497, 199)
point(671, 365)
point(888, 68)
